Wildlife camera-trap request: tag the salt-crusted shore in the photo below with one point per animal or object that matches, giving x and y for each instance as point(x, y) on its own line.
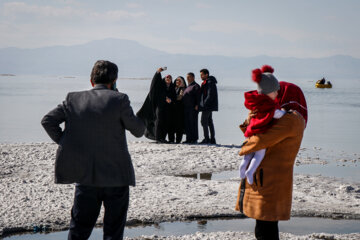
point(29, 196)
point(249, 236)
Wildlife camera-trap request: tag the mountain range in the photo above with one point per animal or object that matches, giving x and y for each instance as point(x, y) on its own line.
point(136, 60)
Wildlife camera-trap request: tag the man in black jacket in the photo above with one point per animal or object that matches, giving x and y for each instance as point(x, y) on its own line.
point(191, 107)
point(93, 152)
point(208, 104)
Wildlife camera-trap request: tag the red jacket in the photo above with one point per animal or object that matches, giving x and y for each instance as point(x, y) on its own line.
point(265, 107)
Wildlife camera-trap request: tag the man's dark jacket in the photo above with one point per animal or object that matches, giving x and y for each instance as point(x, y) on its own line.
point(209, 95)
point(92, 147)
point(191, 95)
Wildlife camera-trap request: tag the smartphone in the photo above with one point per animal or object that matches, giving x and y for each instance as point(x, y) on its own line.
point(164, 68)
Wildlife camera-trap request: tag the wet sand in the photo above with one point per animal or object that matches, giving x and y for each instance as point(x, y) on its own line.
point(29, 196)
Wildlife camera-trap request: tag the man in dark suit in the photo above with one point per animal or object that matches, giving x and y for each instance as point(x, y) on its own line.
point(93, 152)
point(191, 107)
point(208, 104)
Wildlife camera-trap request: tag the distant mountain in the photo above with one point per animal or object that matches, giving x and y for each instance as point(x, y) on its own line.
point(135, 60)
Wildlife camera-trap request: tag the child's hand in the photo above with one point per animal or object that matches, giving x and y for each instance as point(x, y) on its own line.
point(251, 114)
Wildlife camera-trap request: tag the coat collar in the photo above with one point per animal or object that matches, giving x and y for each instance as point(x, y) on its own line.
point(99, 86)
point(192, 83)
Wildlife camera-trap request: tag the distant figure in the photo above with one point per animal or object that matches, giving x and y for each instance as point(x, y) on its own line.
point(93, 152)
point(208, 104)
point(263, 101)
point(328, 83)
point(157, 108)
point(178, 109)
point(191, 106)
point(321, 81)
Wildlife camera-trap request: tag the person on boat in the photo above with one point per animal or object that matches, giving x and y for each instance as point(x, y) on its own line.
point(321, 81)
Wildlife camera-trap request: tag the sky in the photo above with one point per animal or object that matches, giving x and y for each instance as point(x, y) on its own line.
point(244, 28)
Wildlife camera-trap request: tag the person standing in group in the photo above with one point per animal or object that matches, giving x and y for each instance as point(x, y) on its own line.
point(191, 107)
point(178, 109)
point(166, 111)
point(157, 109)
point(93, 152)
point(208, 104)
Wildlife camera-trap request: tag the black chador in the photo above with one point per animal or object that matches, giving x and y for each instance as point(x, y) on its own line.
point(156, 111)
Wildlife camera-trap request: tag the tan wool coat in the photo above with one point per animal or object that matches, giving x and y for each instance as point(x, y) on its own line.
point(269, 197)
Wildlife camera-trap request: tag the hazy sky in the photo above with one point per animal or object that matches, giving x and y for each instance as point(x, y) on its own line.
point(305, 28)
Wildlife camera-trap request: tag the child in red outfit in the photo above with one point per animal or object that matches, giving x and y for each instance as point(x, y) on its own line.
point(264, 102)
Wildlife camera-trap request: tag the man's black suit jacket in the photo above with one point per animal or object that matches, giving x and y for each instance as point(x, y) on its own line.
point(92, 147)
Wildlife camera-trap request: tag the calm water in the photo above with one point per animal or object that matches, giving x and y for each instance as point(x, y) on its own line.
point(297, 226)
point(334, 114)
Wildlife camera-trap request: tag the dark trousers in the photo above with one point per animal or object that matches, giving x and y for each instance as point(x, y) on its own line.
point(86, 209)
point(163, 125)
point(191, 124)
point(266, 230)
point(207, 124)
point(176, 134)
point(178, 122)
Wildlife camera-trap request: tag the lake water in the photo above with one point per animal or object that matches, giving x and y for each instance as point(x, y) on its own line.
point(334, 114)
point(296, 225)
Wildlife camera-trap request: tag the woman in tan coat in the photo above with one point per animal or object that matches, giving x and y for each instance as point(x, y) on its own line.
point(269, 198)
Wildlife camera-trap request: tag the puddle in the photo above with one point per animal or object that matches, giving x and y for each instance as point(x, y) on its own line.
point(202, 176)
point(297, 226)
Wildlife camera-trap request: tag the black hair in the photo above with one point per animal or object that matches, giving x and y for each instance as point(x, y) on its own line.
point(205, 71)
point(191, 74)
point(104, 72)
point(182, 79)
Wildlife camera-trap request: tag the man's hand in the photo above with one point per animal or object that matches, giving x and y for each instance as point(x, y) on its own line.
point(168, 100)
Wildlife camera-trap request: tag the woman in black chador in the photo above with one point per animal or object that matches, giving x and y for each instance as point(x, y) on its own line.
point(157, 110)
point(178, 110)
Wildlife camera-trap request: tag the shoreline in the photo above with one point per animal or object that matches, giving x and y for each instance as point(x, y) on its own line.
point(29, 196)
